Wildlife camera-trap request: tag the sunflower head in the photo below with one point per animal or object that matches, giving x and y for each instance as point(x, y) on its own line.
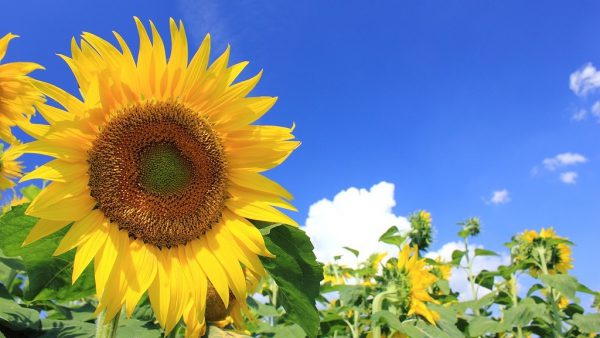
point(470, 227)
point(421, 231)
point(543, 251)
point(10, 167)
point(410, 278)
point(17, 94)
point(158, 166)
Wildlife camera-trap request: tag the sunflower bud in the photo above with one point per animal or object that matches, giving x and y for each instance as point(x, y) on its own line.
point(420, 233)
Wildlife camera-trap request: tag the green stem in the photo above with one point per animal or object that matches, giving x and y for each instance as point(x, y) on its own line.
point(377, 306)
point(109, 329)
point(551, 295)
point(515, 299)
point(470, 271)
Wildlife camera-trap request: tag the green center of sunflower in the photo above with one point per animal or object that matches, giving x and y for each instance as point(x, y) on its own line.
point(159, 172)
point(164, 170)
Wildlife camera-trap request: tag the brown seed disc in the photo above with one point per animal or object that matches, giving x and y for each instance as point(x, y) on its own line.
point(158, 171)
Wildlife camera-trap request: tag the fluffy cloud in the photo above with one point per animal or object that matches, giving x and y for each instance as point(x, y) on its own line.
point(354, 218)
point(499, 197)
point(458, 279)
point(579, 115)
point(585, 80)
point(569, 177)
point(562, 160)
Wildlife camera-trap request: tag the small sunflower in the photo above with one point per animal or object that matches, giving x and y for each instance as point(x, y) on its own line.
point(17, 94)
point(10, 168)
point(412, 279)
point(159, 167)
point(335, 274)
point(557, 252)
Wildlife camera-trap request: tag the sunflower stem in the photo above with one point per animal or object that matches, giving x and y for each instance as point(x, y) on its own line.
point(107, 329)
point(377, 306)
point(551, 295)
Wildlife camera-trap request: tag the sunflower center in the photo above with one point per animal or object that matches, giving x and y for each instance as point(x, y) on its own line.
point(164, 170)
point(158, 171)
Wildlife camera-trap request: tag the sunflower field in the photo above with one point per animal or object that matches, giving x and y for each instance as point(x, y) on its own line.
point(152, 217)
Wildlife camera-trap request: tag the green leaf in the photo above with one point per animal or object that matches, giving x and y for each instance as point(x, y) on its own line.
point(447, 321)
point(486, 279)
point(215, 332)
point(479, 326)
point(457, 256)
point(17, 317)
point(137, 328)
point(30, 192)
point(354, 251)
point(49, 276)
point(524, 313)
point(297, 273)
point(567, 285)
point(351, 294)
point(67, 329)
point(484, 252)
point(392, 236)
point(589, 323)
point(475, 305)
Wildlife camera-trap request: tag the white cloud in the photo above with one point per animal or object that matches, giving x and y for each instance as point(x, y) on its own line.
point(585, 80)
point(596, 109)
point(579, 115)
point(355, 218)
point(499, 197)
point(569, 177)
point(458, 278)
point(562, 160)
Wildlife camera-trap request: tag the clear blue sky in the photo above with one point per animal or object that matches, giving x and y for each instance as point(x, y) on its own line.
point(448, 100)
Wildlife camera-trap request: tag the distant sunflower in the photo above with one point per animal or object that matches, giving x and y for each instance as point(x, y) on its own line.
point(17, 94)
point(10, 168)
point(413, 279)
point(159, 168)
point(557, 251)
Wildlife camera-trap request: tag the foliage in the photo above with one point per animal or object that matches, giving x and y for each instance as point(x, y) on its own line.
point(374, 298)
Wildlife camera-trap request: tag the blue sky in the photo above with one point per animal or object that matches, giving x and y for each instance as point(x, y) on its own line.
point(448, 101)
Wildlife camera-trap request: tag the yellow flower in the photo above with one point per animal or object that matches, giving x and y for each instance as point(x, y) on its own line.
point(419, 279)
point(557, 255)
point(441, 270)
point(17, 94)
point(158, 168)
point(335, 274)
point(10, 168)
point(15, 201)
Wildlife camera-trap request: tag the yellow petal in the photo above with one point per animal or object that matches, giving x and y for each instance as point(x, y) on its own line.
point(259, 211)
point(43, 228)
point(81, 230)
point(88, 249)
point(212, 268)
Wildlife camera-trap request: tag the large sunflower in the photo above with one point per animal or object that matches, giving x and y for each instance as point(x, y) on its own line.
point(413, 277)
point(557, 251)
point(17, 94)
point(158, 169)
point(10, 167)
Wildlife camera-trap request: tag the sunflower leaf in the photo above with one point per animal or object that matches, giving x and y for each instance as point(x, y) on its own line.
point(297, 273)
point(49, 277)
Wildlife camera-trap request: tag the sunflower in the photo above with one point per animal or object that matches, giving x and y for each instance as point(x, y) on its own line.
point(17, 94)
point(557, 252)
point(10, 167)
point(412, 279)
point(158, 168)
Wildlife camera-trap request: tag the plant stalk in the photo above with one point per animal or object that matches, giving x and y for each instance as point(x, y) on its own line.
point(551, 296)
point(108, 329)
